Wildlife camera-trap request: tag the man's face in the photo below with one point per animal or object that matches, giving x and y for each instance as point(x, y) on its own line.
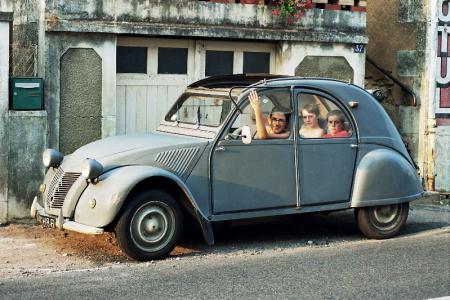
point(278, 122)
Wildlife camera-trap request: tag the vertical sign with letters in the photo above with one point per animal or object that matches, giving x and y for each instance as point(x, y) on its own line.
point(442, 99)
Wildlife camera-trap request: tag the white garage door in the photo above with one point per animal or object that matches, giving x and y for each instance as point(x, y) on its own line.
point(152, 73)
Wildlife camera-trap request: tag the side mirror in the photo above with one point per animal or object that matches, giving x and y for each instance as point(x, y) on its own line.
point(246, 135)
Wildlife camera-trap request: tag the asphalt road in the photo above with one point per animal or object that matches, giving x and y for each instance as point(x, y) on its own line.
point(315, 257)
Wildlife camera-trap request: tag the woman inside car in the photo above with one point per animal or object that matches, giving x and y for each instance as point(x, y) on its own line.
point(311, 128)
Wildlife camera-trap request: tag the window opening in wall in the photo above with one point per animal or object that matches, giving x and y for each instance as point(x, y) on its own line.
point(131, 60)
point(172, 60)
point(256, 62)
point(219, 62)
point(23, 60)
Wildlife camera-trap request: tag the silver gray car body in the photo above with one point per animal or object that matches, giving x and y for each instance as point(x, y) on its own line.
point(220, 179)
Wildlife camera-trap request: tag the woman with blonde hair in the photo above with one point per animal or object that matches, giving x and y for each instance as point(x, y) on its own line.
point(311, 128)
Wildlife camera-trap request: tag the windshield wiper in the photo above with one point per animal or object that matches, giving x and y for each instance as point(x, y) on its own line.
point(198, 116)
point(177, 120)
point(231, 97)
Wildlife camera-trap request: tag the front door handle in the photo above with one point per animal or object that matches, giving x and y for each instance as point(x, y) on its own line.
point(220, 149)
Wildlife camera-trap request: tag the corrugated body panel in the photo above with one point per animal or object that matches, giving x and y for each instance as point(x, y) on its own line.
point(178, 160)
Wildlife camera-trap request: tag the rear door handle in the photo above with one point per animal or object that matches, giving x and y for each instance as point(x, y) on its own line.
point(354, 146)
point(220, 149)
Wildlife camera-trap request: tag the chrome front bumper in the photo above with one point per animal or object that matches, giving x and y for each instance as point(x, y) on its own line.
point(38, 212)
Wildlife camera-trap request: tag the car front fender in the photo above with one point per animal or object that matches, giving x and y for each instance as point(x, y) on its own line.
point(100, 203)
point(384, 176)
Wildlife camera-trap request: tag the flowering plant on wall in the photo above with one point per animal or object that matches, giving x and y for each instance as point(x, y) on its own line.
point(293, 10)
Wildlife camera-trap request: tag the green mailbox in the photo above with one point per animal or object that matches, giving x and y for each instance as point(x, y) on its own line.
point(27, 93)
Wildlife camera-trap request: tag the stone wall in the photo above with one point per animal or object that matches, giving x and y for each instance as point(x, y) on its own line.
point(397, 33)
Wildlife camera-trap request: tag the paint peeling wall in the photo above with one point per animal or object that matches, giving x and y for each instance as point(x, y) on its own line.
point(202, 19)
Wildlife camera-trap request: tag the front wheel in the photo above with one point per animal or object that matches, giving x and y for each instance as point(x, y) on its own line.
point(382, 222)
point(150, 226)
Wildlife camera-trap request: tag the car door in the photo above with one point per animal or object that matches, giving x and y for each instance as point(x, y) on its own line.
point(255, 176)
point(326, 163)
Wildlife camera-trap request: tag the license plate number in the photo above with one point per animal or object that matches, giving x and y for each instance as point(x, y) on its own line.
point(47, 222)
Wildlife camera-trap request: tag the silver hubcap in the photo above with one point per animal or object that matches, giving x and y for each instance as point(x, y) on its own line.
point(152, 226)
point(385, 217)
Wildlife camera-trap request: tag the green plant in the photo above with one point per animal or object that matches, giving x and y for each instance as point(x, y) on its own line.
point(293, 10)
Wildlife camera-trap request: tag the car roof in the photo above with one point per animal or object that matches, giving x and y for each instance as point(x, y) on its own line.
point(229, 81)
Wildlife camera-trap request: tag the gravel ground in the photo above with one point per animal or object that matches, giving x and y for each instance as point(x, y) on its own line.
point(29, 250)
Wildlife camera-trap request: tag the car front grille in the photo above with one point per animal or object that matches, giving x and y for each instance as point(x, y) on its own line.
point(59, 187)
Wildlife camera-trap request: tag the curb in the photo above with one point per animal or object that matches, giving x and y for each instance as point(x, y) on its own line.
point(432, 198)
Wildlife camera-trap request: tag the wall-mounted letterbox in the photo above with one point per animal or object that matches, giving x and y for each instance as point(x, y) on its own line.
point(27, 93)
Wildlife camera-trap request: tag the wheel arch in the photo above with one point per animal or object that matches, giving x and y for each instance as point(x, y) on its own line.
point(166, 181)
point(117, 186)
point(383, 176)
point(159, 182)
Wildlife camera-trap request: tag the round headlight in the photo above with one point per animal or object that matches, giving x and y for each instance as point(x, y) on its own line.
point(52, 158)
point(91, 169)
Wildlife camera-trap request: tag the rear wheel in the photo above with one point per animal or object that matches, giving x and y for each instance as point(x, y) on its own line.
point(150, 226)
point(382, 222)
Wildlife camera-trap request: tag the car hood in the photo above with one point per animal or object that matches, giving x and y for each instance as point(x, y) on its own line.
point(129, 149)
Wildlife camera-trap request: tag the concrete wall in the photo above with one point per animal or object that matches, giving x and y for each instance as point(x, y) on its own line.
point(27, 132)
point(293, 54)
point(442, 163)
point(22, 134)
point(202, 19)
point(104, 45)
point(5, 19)
point(81, 99)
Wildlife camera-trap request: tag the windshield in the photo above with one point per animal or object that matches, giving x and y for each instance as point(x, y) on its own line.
point(197, 109)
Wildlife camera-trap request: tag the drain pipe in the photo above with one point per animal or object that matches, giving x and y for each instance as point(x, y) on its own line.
point(403, 86)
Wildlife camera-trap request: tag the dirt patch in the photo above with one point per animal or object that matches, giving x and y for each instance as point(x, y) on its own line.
point(29, 249)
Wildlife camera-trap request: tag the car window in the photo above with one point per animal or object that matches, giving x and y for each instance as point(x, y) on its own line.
point(319, 117)
point(272, 101)
point(206, 110)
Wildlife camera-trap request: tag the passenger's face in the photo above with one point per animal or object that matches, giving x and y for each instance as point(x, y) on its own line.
point(334, 125)
point(310, 119)
point(278, 122)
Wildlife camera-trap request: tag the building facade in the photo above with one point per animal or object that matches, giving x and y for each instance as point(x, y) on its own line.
point(115, 67)
point(409, 40)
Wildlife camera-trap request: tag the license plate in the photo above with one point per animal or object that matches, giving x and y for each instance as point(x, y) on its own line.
point(47, 222)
